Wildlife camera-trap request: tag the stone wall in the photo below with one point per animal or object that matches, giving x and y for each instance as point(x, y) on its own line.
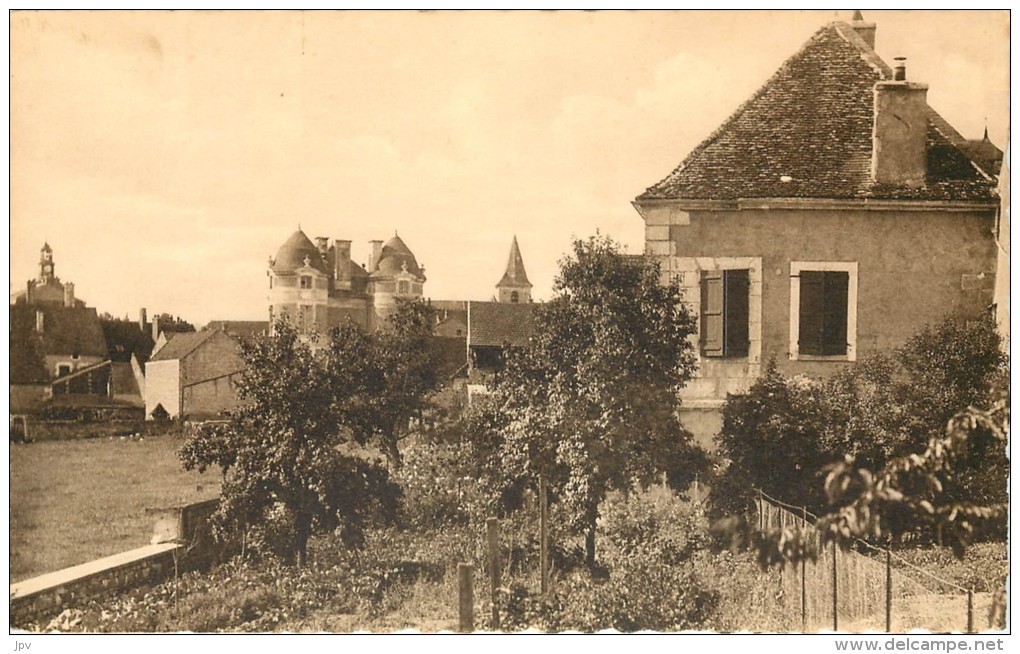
point(181, 541)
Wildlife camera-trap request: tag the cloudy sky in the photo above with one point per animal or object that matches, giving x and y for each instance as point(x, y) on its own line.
point(166, 156)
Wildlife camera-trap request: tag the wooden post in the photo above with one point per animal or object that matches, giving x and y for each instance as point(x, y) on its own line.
point(543, 559)
point(970, 611)
point(803, 576)
point(835, 590)
point(465, 582)
point(888, 592)
point(492, 529)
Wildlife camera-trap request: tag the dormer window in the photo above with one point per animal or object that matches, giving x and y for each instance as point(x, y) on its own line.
point(306, 281)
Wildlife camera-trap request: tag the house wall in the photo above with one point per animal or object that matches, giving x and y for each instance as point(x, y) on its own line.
point(206, 376)
point(163, 386)
point(913, 267)
point(83, 361)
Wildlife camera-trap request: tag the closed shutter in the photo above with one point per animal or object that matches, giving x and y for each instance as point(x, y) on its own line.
point(823, 312)
point(736, 296)
point(712, 313)
point(834, 333)
point(812, 312)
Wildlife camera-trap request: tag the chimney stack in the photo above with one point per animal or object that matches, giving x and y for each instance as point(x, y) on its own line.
point(141, 319)
point(373, 260)
point(68, 294)
point(40, 321)
point(322, 244)
point(342, 263)
point(864, 30)
point(155, 328)
point(899, 153)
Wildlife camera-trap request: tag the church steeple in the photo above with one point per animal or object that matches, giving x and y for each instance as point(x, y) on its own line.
point(514, 287)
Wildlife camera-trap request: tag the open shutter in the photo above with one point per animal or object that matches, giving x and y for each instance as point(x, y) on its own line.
point(812, 312)
point(712, 313)
point(736, 300)
point(834, 333)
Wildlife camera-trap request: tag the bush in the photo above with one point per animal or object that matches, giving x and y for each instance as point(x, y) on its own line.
point(780, 435)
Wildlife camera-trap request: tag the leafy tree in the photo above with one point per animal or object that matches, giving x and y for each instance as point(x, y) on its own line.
point(289, 456)
point(592, 402)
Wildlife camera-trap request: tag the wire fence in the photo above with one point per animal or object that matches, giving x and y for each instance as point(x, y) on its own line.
point(865, 587)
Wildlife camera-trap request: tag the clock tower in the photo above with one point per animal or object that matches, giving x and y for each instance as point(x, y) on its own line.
point(46, 274)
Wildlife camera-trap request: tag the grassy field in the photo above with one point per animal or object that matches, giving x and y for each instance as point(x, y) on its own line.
point(74, 501)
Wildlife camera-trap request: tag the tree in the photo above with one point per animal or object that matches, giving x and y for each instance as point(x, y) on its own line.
point(592, 402)
point(290, 454)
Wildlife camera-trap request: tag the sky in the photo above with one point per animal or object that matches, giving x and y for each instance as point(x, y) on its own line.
point(165, 156)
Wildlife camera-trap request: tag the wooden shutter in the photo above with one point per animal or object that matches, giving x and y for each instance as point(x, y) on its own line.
point(712, 313)
point(737, 284)
point(834, 332)
point(812, 312)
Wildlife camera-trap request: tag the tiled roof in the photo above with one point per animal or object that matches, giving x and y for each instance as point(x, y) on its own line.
point(66, 331)
point(182, 345)
point(124, 338)
point(395, 255)
point(494, 324)
point(812, 122)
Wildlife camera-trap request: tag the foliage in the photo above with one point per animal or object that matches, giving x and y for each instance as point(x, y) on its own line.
point(289, 469)
point(903, 495)
point(781, 434)
point(591, 403)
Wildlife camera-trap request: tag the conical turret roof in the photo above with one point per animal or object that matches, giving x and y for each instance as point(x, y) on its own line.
point(292, 254)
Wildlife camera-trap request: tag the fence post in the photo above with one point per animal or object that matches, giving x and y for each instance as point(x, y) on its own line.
point(543, 557)
point(803, 576)
point(970, 611)
point(835, 590)
point(465, 579)
point(492, 529)
point(888, 591)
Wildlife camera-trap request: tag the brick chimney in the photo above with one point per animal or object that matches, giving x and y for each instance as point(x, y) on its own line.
point(322, 244)
point(864, 30)
point(899, 154)
point(155, 328)
point(141, 319)
point(373, 260)
point(342, 263)
point(68, 294)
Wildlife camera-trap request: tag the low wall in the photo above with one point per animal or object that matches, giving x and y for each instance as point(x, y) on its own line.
point(181, 540)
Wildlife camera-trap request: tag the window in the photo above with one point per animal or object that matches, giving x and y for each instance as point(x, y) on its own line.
point(63, 369)
point(823, 310)
point(725, 303)
point(514, 297)
point(403, 287)
point(305, 318)
point(306, 281)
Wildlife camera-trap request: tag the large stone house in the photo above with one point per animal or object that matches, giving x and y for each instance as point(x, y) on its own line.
point(57, 346)
point(827, 219)
point(317, 286)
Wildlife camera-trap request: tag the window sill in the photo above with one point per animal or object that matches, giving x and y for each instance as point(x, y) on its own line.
point(821, 357)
